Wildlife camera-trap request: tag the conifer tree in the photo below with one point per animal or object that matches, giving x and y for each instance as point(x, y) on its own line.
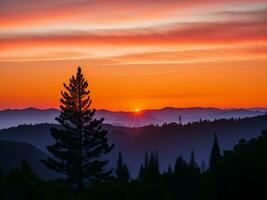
point(122, 172)
point(152, 163)
point(152, 170)
point(215, 156)
point(126, 174)
point(81, 142)
point(141, 174)
point(146, 161)
point(169, 172)
point(149, 171)
point(119, 167)
point(156, 162)
point(143, 171)
point(180, 166)
point(21, 182)
point(193, 163)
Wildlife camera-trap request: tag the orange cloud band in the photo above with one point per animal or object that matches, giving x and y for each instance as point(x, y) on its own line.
point(207, 33)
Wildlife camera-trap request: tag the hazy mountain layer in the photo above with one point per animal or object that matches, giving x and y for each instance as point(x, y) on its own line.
point(12, 153)
point(170, 140)
point(9, 118)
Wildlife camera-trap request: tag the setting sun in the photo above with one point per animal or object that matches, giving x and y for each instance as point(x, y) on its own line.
point(137, 110)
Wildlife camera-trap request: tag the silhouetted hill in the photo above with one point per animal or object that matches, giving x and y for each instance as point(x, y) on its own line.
point(170, 139)
point(9, 118)
point(11, 153)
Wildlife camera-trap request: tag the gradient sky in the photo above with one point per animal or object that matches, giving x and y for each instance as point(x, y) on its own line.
point(135, 54)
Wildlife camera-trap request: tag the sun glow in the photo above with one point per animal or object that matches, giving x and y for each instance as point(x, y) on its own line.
point(137, 110)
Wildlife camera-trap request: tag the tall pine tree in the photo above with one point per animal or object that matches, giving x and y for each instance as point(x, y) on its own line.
point(81, 142)
point(215, 156)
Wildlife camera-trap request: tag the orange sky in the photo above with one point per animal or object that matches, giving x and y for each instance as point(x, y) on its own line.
point(135, 54)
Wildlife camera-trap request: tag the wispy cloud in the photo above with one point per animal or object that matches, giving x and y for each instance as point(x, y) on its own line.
point(175, 36)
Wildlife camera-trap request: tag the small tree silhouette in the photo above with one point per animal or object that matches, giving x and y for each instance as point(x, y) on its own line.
point(122, 172)
point(215, 156)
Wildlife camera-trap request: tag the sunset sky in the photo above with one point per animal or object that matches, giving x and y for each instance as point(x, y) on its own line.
point(135, 54)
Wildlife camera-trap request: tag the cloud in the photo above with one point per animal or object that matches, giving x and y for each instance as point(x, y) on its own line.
point(23, 13)
point(236, 27)
point(192, 33)
point(218, 54)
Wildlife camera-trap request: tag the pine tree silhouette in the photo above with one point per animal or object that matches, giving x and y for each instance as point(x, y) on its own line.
point(126, 173)
point(146, 161)
point(169, 172)
point(141, 174)
point(122, 172)
point(215, 156)
point(80, 142)
point(193, 163)
point(180, 166)
point(149, 171)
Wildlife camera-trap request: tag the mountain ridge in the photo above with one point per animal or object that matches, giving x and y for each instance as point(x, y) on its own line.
point(31, 115)
point(13, 152)
point(154, 109)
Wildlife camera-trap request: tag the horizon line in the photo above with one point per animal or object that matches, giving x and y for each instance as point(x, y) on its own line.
point(148, 109)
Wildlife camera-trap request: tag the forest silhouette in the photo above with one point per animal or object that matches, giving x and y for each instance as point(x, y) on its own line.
point(79, 153)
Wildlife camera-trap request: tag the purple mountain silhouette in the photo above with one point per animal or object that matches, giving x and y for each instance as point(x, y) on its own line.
point(14, 117)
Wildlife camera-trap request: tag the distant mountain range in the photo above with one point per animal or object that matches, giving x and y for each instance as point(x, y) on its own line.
point(14, 117)
point(170, 140)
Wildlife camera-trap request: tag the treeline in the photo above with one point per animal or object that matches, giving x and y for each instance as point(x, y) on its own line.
point(237, 174)
point(209, 124)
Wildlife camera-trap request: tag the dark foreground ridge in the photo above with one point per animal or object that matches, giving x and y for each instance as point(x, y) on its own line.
point(234, 174)
point(12, 153)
